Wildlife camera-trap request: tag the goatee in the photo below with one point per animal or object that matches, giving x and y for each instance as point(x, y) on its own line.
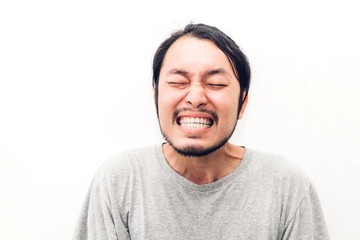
point(196, 151)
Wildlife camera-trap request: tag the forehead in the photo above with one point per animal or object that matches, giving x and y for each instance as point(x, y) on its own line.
point(195, 54)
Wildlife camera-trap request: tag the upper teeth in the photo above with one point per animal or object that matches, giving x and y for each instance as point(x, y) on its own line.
point(195, 122)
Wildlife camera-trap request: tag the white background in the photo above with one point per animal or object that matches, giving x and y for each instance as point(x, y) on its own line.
point(75, 88)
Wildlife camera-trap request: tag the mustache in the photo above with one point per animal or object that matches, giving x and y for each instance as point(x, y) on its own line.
point(179, 110)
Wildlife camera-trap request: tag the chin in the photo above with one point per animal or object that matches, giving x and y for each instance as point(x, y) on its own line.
point(196, 150)
point(192, 147)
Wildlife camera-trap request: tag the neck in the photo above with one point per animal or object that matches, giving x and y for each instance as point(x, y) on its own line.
point(205, 169)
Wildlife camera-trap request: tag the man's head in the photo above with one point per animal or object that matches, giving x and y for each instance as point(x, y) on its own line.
point(201, 80)
point(237, 58)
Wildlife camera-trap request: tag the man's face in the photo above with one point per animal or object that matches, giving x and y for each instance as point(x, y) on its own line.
point(198, 97)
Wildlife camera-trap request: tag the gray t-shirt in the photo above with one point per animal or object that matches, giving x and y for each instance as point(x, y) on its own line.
point(137, 195)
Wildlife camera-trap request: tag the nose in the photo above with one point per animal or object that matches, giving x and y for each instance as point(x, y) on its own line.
point(196, 96)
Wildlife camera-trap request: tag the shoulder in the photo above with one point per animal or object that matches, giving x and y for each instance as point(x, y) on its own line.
point(282, 177)
point(274, 165)
point(128, 163)
point(278, 171)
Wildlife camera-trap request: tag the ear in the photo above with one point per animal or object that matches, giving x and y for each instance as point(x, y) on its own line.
point(241, 114)
point(155, 100)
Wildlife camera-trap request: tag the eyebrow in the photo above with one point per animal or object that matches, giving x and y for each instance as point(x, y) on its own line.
point(208, 73)
point(217, 71)
point(179, 72)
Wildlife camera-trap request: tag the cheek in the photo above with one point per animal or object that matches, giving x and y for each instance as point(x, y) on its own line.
point(169, 97)
point(226, 106)
point(167, 103)
point(225, 101)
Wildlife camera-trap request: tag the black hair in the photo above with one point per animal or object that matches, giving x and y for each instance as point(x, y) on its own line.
point(237, 58)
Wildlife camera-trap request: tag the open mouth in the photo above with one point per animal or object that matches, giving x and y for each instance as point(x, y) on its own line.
point(192, 122)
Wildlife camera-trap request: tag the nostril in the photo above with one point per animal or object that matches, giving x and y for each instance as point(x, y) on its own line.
point(196, 100)
point(197, 105)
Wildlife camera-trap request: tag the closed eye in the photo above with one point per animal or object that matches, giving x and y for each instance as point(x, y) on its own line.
point(217, 85)
point(177, 83)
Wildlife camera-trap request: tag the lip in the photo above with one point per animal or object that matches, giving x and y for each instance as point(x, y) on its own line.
point(193, 131)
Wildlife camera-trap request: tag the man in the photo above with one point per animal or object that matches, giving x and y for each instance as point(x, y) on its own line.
point(197, 185)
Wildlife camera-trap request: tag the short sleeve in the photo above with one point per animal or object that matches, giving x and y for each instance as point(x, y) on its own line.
point(308, 223)
point(97, 220)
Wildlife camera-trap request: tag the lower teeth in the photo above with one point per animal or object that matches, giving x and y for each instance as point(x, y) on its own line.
point(194, 125)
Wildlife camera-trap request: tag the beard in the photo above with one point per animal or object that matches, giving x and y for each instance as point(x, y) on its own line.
point(194, 150)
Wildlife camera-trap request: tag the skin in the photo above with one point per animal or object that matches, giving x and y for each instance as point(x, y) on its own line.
point(196, 75)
